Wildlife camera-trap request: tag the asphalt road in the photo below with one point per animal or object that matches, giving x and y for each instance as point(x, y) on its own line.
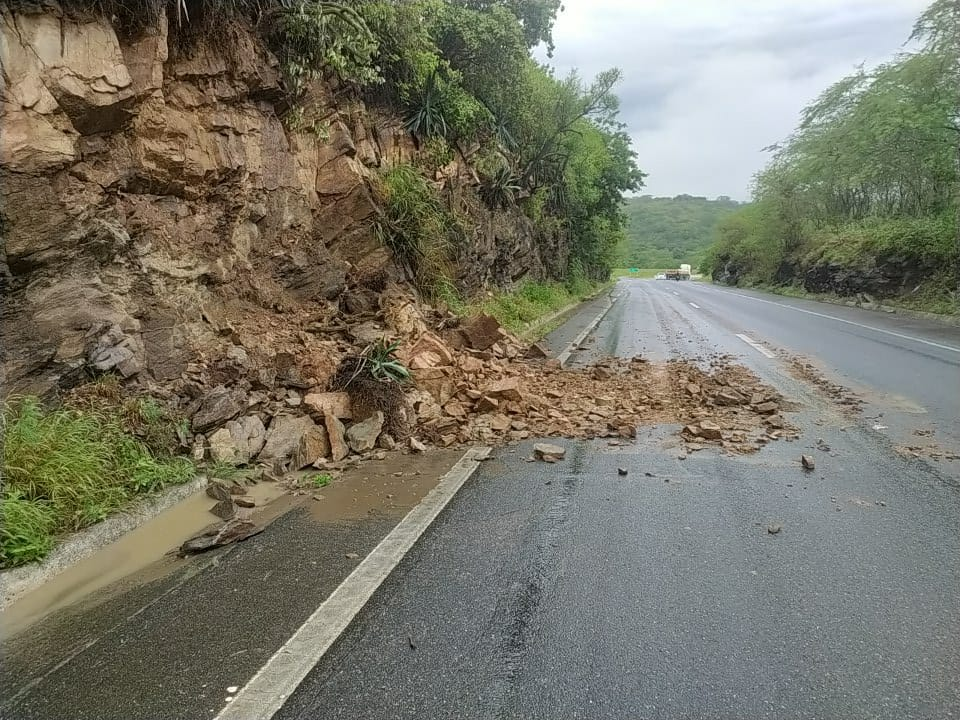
point(906, 370)
point(568, 591)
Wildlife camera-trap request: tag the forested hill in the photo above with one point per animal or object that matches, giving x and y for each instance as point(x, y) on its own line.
point(864, 196)
point(663, 232)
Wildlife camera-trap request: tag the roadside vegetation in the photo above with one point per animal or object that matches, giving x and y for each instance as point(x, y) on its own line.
point(71, 467)
point(865, 194)
point(532, 302)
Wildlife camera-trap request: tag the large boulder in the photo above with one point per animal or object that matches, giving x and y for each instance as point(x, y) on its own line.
point(219, 405)
point(336, 403)
point(336, 436)
point(362, 437)
point(313, 445)
point(284, 436)
point(238, 441)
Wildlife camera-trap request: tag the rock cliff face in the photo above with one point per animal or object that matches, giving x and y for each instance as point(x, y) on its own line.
point(157, 212)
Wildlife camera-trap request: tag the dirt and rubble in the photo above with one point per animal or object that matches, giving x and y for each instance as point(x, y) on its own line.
point(804, 370)
point(271, 396)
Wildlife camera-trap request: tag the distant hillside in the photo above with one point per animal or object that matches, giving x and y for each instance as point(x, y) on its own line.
point(665, 232)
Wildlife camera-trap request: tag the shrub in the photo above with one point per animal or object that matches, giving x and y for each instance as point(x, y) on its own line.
point(417, 227)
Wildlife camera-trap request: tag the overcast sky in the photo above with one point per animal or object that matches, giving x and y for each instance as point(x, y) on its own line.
point(708, 83)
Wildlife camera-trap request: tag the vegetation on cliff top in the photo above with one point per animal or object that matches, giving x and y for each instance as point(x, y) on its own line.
point(869, 181)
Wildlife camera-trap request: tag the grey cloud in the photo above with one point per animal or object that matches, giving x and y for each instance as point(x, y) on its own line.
point(704, 90)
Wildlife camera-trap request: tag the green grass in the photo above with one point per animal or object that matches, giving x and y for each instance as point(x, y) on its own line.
point(930, 298)
point(69, 468)
point(519, 309)
point(320, 480)
point(646, 273)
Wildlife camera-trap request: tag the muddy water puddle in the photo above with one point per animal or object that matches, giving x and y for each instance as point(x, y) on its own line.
point(388, 487)
point(376, 488)
point(146, 547)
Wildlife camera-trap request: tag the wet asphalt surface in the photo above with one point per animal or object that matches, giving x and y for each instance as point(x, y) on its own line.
point(568, 591)
point(171, 647)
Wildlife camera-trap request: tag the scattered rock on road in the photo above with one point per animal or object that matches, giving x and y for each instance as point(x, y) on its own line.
point(808, 462)
point(621, 472)
point(231, 531)
point(548, 453)
point(774, 528)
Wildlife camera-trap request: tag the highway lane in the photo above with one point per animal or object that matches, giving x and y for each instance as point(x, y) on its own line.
point(568, 591)
point(906, 370)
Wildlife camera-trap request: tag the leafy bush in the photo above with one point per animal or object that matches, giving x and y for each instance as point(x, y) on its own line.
point(499, 190)
point(313, 37)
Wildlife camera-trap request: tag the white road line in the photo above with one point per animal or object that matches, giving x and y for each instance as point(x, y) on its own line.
point(755, 345)
point(949, 348)
point(694, 305)
point(273, 684)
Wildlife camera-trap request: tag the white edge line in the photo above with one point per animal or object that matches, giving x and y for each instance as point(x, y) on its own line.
point(950, 348)
point(273, 684)
point(569, 350)
point(694, 305)
point(756, 346)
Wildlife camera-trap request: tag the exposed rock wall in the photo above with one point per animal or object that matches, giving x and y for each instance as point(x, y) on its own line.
point(155, 208)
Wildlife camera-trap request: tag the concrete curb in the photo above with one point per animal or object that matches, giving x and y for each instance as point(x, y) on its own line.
point(269, 689)
point(18, 581)
point(564, 356)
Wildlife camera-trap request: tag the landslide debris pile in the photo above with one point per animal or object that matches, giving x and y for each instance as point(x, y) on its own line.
point(494, 396)
point(270, 395)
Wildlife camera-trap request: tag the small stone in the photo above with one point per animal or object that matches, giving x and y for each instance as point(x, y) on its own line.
point(386, 441)
point(218, 490)
point(232, 689)
point(774, 528)
point(352, 556)
point(244, 502)
point(808, 462)
point(506, 389)
point(767, 408)
point(379, 455)
point(622, 472)
point(487, 404)
point(417, 446)
point(548, 453)
point(728, 398)
point(224, 509)
point(710, 430)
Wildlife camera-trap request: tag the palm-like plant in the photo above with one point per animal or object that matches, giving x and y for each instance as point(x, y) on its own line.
point(426, 119)
point(499, 190)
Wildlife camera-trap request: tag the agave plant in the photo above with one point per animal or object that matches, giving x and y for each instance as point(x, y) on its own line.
point(499, 190)
point(426, 119)
point(382, 363)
